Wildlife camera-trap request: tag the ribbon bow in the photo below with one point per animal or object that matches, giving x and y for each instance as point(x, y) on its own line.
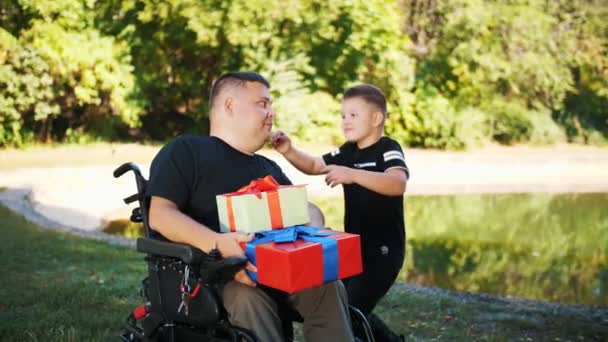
point(291, 234)
point(257, 186)
point(267, 184)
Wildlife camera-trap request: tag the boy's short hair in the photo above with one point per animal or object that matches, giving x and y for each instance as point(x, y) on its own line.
point(234, 79)
point(369, 94)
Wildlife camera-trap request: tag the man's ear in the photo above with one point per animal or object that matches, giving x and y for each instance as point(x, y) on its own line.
point(229, 104)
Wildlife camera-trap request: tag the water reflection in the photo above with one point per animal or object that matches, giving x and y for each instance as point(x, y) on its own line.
point(125, 228)
point(539, 246)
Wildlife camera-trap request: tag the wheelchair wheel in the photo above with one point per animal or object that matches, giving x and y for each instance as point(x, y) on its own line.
point(361, 327)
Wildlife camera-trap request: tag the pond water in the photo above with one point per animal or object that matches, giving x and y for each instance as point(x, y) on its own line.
point(550, 247)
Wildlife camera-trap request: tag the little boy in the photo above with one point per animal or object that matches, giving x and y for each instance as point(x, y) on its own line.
point(372, 170)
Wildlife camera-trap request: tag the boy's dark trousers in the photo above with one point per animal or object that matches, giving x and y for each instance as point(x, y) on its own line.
point(365, 290)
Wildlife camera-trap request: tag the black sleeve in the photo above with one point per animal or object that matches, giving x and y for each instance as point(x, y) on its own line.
point(392, 157)
point(172, 173)
point(337, 156)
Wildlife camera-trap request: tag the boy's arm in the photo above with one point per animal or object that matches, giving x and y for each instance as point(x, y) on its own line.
point(392, 182)
point(302, 161)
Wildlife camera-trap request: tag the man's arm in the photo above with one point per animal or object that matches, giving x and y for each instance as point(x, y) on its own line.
point(393, 182)
point(168, 220)
point(316, 216)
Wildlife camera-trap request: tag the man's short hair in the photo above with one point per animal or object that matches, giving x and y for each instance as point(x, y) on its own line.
point(234, 79)
point(370, 94)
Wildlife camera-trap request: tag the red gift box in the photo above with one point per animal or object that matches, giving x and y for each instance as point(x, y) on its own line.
point(298, 258)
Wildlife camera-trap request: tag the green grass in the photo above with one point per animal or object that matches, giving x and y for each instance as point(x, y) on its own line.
point(57, 287)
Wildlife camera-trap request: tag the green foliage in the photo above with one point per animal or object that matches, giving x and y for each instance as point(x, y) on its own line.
point(298, 109)
point(61, 76)
point(585, 114)
point(456, 73)
point(180, 46)
point(512, 122)
point(515, 62)
point(26, 88)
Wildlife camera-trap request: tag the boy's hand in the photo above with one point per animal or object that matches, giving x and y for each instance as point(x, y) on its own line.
point(280, 142)
point(335, 174)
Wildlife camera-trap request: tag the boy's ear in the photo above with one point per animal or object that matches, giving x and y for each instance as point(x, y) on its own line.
point(377, 119)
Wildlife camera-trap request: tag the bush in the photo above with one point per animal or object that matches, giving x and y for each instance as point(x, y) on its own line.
point(26, 90)
point(435, 121)
point(510, 122)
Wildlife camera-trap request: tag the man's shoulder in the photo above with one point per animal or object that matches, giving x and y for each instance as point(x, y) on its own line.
point(190, 143)
point(267, 160)
point(183, 147)
point(191, 139)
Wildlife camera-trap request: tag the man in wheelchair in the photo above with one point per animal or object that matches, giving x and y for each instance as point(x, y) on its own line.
point(185, 177)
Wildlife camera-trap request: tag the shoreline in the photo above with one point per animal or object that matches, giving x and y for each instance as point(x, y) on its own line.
point(73, 186)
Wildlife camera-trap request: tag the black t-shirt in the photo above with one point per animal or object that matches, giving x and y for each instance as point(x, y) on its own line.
point(376, 217)
point(191, 170)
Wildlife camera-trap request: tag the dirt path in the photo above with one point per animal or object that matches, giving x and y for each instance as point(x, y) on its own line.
point(74, 186)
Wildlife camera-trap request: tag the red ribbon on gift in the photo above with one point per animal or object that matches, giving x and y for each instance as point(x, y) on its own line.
point(267, 184)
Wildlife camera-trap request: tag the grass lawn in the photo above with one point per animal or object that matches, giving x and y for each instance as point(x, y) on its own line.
point(57, 287)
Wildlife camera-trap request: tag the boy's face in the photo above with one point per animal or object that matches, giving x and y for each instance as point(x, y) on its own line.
point(358, 119)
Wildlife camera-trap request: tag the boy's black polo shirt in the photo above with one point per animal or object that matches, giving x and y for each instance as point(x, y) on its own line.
point(377, 218)
point(191, 170)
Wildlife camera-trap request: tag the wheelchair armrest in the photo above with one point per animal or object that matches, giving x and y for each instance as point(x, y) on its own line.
point(186, 253)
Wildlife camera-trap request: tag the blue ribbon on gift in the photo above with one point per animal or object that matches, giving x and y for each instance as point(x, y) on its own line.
point(291, 234)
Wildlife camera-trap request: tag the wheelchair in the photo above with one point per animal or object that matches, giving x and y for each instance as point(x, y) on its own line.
point(181, 291)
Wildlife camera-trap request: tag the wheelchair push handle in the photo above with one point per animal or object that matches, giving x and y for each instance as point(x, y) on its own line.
point(139, 180)
point(126, 167)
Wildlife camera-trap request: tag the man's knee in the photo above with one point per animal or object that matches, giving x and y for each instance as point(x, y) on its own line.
point(251, 308)
point(321, 299)
point(244, 298)
point(334, 290)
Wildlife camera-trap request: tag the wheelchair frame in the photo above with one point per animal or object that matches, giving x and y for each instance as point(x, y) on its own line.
point(168, 315)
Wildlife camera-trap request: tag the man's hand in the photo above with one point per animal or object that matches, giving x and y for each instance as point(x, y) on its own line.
point(335, 174)
point(280, 142)
point(229, 244)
